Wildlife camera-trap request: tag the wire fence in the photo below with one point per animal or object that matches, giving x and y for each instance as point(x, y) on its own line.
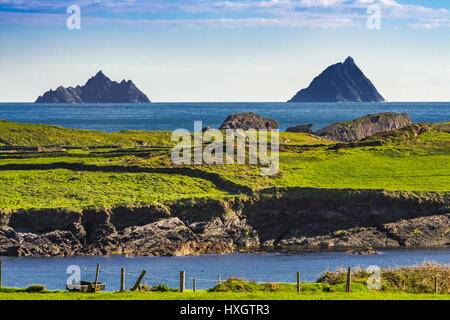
point(143, 276)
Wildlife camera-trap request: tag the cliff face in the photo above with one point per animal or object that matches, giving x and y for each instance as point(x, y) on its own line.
point(364, 127)
point(98, 89)
point(278, 220)
point(342, 82)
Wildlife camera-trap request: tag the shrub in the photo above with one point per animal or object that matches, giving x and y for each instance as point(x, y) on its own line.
point(162, 288)
point(234, 285)
point(271, 287)
point(415, 279)
point(240, 285)
point(34, 288)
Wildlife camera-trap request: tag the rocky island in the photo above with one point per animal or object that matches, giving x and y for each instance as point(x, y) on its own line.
point(341, 82)
point(98, 89)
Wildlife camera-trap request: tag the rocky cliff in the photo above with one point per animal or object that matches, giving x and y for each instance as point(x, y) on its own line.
point(364, 127)
point(341, 82)
point(98, 89)
point(276, 220)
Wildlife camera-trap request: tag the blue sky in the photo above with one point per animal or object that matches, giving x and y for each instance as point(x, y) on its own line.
point(240, 50)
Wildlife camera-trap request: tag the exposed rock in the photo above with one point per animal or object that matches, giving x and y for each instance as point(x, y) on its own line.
point(98, 89)
point(354, 220)
point(248, 121)
point(364, 127)
point(207, 128)
point(341, 82)
point(366, 251)
point(303, 128)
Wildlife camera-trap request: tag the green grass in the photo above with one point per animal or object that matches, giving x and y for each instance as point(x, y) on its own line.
point(419, 164)
point(202, 295)
point(205, 295)
point(40, 135)
point(77, 190)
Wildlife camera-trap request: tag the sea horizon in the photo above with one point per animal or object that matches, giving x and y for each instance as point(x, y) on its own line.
point(169, 116)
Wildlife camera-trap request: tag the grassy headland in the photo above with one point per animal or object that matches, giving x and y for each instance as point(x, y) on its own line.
point(44, 166)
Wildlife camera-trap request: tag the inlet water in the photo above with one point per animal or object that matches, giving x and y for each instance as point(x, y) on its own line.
point(21, 272)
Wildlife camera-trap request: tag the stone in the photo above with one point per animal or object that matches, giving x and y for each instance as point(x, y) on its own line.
point(248, 121)
point(303, 128)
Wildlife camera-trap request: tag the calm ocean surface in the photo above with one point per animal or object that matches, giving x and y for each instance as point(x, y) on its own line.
point(21, 272)
point(171, 116)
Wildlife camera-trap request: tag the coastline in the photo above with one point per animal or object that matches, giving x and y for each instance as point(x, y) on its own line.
point(294, 220)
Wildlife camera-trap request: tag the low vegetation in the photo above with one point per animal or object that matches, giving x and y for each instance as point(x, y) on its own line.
point(410, 283)
point(415, 279)
point(44, 166)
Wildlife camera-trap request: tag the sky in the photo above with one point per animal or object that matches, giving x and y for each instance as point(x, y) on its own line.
point(236, 50)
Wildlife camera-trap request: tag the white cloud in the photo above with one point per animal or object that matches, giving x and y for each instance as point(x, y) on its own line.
point(198, 13)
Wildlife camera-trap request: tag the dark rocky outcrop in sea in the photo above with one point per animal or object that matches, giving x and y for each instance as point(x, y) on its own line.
point(248, 121)
point(341, 82)
point(293, 219)
point(303, 128)
point(364, 127)
point(98, 89)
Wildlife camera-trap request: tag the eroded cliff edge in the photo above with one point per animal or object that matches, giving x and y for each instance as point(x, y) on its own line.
point(276, 220)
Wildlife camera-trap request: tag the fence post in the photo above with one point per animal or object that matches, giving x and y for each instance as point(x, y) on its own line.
point(96, 277)
point(349, 279)
point(436, 287)
point(218, 279)
point(298, 281)
point(193, 285)
point(138, 282)
point(122, 280)
point(182, 280)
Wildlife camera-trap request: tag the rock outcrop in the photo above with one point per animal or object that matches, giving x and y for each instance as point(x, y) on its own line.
point(364, 127)
point(296, 219)
point(303, 128)
point(98, 89)
point(248, 121)
point(341, 82)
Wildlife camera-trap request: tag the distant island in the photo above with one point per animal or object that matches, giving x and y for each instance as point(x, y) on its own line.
point(98, 89)
point(341, 82)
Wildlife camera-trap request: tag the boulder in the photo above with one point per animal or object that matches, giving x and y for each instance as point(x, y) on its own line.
point(248, 121)
point(364, 127)
point(303, 128)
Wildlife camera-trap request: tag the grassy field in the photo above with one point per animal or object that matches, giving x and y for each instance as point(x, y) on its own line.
point(45, 166)
point(238, 289)
point(80, 189)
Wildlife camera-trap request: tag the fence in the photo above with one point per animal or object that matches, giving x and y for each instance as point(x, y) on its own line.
point(184, 278)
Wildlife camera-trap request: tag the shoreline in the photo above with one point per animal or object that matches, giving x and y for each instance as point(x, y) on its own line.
point(342, 220)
